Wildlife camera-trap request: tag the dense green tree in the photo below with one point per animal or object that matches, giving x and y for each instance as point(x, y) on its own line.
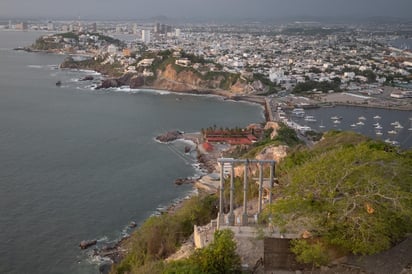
point(220, 256)
point(323, 86)
point(310, 253)
point(356, 195)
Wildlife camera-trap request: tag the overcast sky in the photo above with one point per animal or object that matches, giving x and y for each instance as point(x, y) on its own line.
point(205, 9)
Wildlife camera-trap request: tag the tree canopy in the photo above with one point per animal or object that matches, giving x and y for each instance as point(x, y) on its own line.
point(353, 192)
point(219, 257)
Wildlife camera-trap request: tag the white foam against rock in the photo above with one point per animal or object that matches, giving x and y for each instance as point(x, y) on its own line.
point(35, 66)
point(92, 72)
point(103, 239)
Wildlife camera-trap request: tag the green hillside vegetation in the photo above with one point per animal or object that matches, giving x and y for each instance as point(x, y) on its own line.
point(323, 86)
point(97, 64)
point(160, 236)
point(352, 193)
point(45, 44)
point(55, 41)
point(219, 257)
point(285, 136)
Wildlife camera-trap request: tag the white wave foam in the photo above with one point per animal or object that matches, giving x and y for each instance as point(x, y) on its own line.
point(103, 239)
point(186, 141)
point(91, 87)
point(91, 72)
point(125, 233)
point(95, 259)
point(35, 66)
point(53, 66)
point(125, 89)
point(156, 91)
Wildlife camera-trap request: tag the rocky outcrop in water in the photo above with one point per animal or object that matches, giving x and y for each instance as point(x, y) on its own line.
point(86, 244)
point(87, 78)
point(129, 79)
point(169, 136)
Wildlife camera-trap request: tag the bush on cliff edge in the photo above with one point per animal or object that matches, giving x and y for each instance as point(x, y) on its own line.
point(160, 236)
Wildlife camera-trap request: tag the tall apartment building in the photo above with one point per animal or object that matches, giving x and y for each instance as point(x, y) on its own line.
point(146, 36)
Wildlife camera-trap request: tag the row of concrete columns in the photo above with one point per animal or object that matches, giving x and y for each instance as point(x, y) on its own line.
point(244, 217)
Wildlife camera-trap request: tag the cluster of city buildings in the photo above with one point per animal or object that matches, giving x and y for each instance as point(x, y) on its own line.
point(358, 58)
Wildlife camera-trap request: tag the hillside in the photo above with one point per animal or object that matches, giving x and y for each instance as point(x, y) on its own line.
point(350, 192)
point(168, 70)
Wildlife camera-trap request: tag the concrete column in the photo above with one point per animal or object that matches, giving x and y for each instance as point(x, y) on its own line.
point(220, 215)
point(231, 217)
point(260, 187)
point(244, 216)
point(272, 170)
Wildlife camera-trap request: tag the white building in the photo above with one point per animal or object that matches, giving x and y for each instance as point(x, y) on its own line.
point(146, 36)
point(50, 26)
point(112, 49)
point(177, 33)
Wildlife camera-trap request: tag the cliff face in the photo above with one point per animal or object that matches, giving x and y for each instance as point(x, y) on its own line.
point(190, 80)
point(170, 77)
point(183, 81)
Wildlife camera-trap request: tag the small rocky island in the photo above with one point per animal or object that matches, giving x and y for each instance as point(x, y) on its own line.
point(170, 136)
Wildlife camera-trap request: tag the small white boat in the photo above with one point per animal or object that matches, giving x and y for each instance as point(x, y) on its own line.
point(361, 118)
point(310, 118)
point(395, 123)
point(353, 125)
point(336, 122)
point(377, 117)
point(392, 132)
point(321, 124)
point(398, 126)
point(378, 127)
point(379, 133)
point(360, 123)
point(304, 128)
point(299, 112)
point(389, 141)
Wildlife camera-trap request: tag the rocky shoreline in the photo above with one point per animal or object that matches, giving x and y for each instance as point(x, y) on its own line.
point(112, 253)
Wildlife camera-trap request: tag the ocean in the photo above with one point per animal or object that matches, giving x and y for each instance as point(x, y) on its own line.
point(80, 164)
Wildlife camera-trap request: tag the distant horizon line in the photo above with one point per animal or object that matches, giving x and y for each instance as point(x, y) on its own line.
point(340, 19)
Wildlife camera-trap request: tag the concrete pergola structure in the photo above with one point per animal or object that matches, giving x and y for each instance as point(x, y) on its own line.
point(246, 162)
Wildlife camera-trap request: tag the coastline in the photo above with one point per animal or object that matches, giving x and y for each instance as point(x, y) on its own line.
point(108, 253)
point(226, 95)
point(201, 91)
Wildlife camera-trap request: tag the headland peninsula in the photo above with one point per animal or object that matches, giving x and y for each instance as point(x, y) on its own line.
point(337, 66)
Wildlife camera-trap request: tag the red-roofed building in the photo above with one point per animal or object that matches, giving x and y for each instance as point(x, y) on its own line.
point(243, 137)
point(207, 146)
